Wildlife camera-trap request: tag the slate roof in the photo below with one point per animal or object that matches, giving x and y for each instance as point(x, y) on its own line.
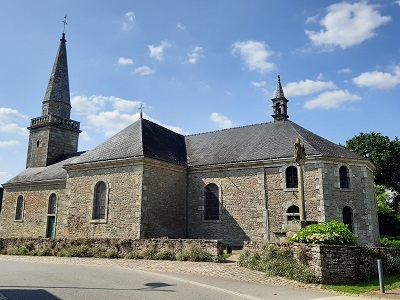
point(141, 139)
point(51, 172)
point(241, 144)
point(258, 142)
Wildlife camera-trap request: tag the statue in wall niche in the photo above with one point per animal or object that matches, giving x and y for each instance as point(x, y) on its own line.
point(299, 152)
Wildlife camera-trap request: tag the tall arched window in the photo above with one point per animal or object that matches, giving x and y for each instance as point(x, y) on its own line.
point(291, 177)
point(99, 201)
point(344, 177)
point(19, 209)
point(211, 211)
point(52, 204)
point(293, 213)
point(348, 217)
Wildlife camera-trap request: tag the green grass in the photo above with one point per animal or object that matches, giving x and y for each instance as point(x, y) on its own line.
point(390, 282)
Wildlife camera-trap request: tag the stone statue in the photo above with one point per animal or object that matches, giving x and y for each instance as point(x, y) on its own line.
point(299, 152)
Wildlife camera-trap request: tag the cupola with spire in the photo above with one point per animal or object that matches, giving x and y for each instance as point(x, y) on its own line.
point(279, 104)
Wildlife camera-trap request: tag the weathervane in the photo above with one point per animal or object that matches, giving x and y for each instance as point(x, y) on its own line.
point(65, 23)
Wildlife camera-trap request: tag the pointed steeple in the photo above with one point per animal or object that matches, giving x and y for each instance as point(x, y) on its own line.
point(279, 104)
point(53, 133)
point(57, 99)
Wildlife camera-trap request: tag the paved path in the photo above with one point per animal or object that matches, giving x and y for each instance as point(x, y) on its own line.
point(228, 270)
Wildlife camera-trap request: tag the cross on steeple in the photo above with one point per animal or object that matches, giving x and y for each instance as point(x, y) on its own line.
point(65, 23)
point(141, 107)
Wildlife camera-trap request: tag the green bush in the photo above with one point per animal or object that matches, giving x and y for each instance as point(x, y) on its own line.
point(194, 253)
point(333, 233)
point(391, 243)
point(277, 261)
point(166, 255)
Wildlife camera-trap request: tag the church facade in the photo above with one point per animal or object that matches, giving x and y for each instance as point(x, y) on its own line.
point(147, 181)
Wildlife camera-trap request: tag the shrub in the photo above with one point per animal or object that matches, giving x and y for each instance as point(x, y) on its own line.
point(386, 242)
point(166, 255)
point(277, 261)
point(333, 232)
point(134, 255)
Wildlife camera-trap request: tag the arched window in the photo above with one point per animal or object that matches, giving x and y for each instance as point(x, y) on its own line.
point(211, 211)
point(52, 204)
point(293, 213)
point(291, 177)
point(99, 201)
point(348, 217)
point(344, 177)
point(19, 209)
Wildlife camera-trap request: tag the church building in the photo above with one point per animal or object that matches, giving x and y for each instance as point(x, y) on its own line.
point(146, 181)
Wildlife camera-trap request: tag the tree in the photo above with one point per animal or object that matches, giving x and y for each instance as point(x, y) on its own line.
point(384, 153)
point(383, 200)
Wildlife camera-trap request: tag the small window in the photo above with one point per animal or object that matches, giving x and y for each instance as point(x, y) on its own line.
point(348, 217)
point(293, 213)
point(52, 204)
point(291, 177)
point(212, 202)
point(19, 210)
point(37, 144)
point(344, 177)
point(99, 201)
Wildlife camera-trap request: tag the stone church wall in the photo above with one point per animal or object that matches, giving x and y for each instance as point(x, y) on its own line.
point(123, 203)
point(164, 202)
point(360, 197)
point(242, 205)
point(34, 221)
point(280, 198)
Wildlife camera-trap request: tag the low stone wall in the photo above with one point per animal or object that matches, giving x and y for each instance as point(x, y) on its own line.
point(342, 264)
point(122, 246)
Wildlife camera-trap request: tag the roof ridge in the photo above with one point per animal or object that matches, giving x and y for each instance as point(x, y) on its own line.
point(225, 129)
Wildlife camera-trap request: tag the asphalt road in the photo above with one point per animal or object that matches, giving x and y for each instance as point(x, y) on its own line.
point(48, 281)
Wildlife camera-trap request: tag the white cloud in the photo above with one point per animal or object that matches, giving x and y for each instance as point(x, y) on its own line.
point(313, 19)
point(195, 55)
point(344, 70)
point(129, 18)
point(307, 87)
point(125, 61)
point(397, 2)
point(259, 84)
point(222, 121)
point(110, 122)
point(8, 114)
point(379, 80)
point(86, 105)
point(331, 100)
point(124, 105)
point(144, 71)
point(157, 52)
point(181, 26)
point(9, 119)
point(12, 143)
point(84, 135)
point(106, 114)
point(255, 55)
point(347, 24)
point(320, 76)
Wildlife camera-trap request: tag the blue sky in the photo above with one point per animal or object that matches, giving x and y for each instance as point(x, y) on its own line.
point(200, 66)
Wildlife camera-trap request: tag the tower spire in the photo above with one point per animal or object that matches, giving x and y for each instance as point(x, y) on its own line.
point(53, 133)
point(279, 103)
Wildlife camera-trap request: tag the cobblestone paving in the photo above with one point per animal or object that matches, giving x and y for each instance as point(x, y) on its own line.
point(227, 270)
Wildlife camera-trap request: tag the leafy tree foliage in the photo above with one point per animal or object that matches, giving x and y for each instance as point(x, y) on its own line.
point(384, 153)
point(383, 199)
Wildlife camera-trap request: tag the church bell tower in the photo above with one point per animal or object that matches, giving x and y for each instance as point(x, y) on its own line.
point(279, 104)
point(54, 133)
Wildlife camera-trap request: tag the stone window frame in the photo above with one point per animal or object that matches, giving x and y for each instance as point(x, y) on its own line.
point(349, 176)
point(286, 215)
point(19, 209)
point(219, 201)
point(284, 181)
point(351, 227)
point(51, 212)
point(93, 189)
point(292, 214)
